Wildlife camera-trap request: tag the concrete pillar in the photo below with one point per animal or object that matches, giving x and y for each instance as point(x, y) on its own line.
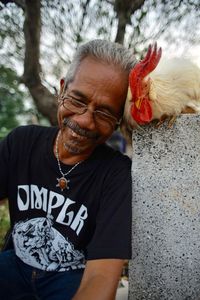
point(166, 212)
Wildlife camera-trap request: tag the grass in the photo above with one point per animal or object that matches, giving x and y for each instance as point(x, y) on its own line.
point(4, 221)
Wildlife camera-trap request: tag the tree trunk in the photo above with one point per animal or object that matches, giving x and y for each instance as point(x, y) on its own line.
point(44, 100)
point(124, 9)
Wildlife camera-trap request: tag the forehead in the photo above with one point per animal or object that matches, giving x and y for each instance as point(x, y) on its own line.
point(98, 70)
point(101, 81)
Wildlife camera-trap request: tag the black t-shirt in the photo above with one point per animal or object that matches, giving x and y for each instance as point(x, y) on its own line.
point(58, 230)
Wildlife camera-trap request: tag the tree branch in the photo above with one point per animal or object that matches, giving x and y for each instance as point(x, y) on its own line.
point(20, 3)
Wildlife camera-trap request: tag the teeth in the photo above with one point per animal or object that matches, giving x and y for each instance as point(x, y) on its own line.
point(74, 134)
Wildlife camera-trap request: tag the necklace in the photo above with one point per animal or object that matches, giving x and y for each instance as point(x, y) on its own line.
point(63, 183)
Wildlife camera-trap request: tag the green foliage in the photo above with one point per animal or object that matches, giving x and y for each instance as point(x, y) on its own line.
point(11, 100)
point(4, 222)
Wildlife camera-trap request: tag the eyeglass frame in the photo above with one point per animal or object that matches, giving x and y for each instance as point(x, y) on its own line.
point(115, 121)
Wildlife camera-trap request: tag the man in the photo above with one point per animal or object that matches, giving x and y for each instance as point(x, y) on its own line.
point(70, 194)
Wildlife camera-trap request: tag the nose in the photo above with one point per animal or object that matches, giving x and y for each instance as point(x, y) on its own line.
point(86, 120)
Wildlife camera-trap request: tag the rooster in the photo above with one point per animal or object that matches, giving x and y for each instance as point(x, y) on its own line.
point(160, 89)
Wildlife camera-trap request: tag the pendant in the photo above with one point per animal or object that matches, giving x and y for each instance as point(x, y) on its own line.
point(62, 183)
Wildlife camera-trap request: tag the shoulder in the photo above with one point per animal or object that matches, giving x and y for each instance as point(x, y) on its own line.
point(113, 157)
point(25, 136)
point(113, 165)
point(30, 131)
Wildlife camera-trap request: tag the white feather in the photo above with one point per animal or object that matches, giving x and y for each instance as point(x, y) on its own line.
point(174, 86)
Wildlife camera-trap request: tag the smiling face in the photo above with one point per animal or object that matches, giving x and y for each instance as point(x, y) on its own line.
point(101, 87)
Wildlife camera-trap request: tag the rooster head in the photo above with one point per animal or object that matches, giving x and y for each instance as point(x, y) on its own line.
point(141, 109)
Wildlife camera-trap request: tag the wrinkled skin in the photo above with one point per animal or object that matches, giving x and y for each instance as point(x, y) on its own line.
point(100, 86)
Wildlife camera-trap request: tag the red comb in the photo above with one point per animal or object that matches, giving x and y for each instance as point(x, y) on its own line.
point(141, 109)
point(143, 68)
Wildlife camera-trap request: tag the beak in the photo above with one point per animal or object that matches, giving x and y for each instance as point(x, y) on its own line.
point(138, 103)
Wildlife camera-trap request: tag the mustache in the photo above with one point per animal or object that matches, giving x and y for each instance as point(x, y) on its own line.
point(67, 122)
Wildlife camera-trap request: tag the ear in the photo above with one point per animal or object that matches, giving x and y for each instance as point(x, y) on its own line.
point(62, 86)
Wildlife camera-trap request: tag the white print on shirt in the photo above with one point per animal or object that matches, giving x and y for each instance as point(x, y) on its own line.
point(40, 245)
point(31, 197)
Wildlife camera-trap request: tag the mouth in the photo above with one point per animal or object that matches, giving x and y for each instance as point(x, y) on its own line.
point(77, 136)
point(79, 133)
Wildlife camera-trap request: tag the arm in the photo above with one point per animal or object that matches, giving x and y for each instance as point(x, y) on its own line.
point(111, 242)
point(100, 280)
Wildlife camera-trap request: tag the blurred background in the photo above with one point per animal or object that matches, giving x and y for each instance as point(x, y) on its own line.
point(38, 38)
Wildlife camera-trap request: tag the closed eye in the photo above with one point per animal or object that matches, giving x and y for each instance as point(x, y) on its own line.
point(74, 101)
point(77, 102)
point(106, 116)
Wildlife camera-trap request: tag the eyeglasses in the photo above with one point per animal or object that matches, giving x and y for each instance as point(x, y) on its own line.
point(101, 118)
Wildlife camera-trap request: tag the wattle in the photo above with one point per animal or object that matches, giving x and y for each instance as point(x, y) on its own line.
point(143, 114)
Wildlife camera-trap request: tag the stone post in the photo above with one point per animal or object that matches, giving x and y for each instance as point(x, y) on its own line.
point(166, 212)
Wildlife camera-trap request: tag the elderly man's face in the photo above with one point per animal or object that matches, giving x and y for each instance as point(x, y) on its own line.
point(101, 87)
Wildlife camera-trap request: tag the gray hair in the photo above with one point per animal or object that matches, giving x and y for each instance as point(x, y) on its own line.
point(102, 50)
